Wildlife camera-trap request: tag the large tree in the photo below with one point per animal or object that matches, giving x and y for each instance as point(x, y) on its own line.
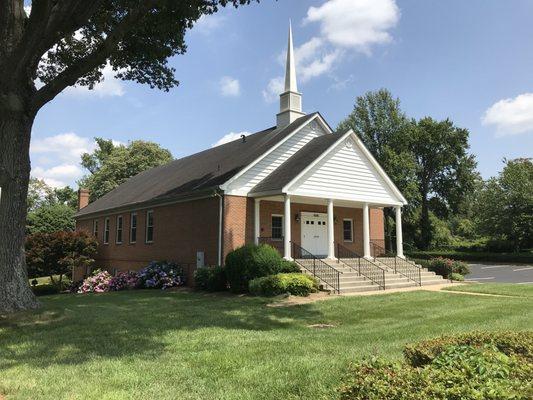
point(385, 130)
point(444, 168)
point(111, 165)
point(505, 205)
point(63, 43)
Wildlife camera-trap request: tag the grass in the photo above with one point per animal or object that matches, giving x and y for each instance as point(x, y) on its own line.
point(507, 289)
point(168, 345)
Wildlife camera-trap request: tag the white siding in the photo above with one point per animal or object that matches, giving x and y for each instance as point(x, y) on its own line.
point(273, 160)
point(345, 173)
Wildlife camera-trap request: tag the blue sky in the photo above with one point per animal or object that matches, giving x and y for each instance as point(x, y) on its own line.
point(470, 61)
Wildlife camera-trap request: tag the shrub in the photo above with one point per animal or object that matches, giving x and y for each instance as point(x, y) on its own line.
point(456, 277)
point(46, 289)
point(297, 284)
point(443, 266)
point(211, 279)
point(289, 267)
point(493, 366)
point(161, 275)
point(98, 282)
point(124, 281)
point(250, 262)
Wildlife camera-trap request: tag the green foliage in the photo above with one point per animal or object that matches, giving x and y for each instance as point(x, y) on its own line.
point(250, 262)
point(505, 205)
point(112, 165)
point(524, 257)
point(443, 266)
point(49, 254)
point(211, 279)
point(469, 367)
point(45, 290)
point(297, 284)
point(289, 267)
point(457, 277)
point(51, 218)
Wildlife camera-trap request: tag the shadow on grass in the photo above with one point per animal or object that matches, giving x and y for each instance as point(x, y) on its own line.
point(71, 329)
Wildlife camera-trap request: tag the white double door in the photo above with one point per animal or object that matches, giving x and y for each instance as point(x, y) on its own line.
point(315, 233)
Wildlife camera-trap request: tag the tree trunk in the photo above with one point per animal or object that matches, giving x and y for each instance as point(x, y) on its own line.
point(15, 133)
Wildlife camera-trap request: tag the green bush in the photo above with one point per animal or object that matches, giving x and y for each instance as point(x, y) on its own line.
point(46, 289)
point(211, 279)
point(492, 366)
point(297, 284)
point(523, 257)
point(289, 267)
point(457, 277)
point(250, 262)
point(443, 266)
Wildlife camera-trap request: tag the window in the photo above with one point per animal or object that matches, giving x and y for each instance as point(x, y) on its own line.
point(149, 226)
point(133, 228)
point(95, 228)
point(106, 231)
point(118, 238)
point(277, 227)
point(347, 230)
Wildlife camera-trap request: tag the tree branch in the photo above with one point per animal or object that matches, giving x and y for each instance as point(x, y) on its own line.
point(84, 65)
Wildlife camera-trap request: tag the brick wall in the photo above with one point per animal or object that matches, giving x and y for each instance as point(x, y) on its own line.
point(180, 230)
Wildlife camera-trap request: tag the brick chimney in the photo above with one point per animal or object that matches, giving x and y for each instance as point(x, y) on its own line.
point(83, 198)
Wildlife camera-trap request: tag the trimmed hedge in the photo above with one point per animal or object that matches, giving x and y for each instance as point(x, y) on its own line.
point(45, 289)
point(526, 257)
point(289, 267)
point(475, 366)
point(211, 279)
point(250, 262)
point(297, 284)
point(442, 266)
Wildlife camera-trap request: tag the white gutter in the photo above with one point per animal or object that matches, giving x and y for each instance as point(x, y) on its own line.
point(220, 221)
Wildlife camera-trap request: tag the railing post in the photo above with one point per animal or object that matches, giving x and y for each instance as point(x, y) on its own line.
point(395, 265)
point(314, 266)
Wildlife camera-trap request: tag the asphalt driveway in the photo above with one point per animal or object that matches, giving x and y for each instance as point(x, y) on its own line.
point(487, 273)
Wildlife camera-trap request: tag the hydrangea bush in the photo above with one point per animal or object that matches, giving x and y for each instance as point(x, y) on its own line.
point(98, 282)
point(161, 275)
point(124, 281)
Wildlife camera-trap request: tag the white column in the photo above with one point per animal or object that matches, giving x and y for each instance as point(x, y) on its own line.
point(331, 234)
point(399, 238)
point(257, 224)
point(366, 231)
point(287, 229)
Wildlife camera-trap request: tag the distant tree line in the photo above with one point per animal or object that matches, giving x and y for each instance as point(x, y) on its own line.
point(449, 203)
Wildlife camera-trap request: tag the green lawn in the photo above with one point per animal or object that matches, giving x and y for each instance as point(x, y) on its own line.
point(507, 289)
point(176, 345)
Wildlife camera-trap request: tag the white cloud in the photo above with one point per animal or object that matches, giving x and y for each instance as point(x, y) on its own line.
point(357, 24)
point(230, 137)
point(274, 89)
point(230, 87)
point(59, 175)
point(108, 87)
point(209, 23)
point(344, 26)
point(511, 116)
point(66, 147)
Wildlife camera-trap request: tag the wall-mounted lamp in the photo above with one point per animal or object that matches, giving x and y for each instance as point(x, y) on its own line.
point(335, 219)
point(297, 217)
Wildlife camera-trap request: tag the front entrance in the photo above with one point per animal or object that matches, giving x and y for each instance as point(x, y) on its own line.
point(315, 233)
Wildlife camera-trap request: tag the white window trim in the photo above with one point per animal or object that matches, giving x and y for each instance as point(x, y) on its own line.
point(106, 230)
point(95, 228)
point(146, 227)
point(136, 227)
point(121, 229)
point(282, 227)
point(351, 229)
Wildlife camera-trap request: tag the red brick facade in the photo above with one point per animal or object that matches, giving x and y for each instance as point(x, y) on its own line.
point(183, 229)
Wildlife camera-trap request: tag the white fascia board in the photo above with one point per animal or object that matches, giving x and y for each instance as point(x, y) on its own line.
point(378, 167)
point(226, 184)
point(375, 164)
point(377, 203)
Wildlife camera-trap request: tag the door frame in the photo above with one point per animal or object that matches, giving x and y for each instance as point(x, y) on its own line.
point(322, 216)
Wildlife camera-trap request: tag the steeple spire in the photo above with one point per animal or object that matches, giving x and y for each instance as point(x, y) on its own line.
point(290, 99)
point(290, 70)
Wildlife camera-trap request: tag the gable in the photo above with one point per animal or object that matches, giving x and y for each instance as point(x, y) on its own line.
point(347, 172)
point(272, 160)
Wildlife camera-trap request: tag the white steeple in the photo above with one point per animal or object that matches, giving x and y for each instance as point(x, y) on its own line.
point(290, 99)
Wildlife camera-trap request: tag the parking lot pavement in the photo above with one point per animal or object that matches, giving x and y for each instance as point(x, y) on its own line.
point(487, 273)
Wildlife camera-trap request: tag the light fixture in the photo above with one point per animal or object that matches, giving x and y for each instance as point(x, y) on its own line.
point(297, 217)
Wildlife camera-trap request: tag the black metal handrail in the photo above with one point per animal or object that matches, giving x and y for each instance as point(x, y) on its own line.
point(318, 268)
point(362, 266)
point(400, 265)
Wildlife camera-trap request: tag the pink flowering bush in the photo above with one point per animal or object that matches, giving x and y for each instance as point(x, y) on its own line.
point(98, 282)
point(124, 281)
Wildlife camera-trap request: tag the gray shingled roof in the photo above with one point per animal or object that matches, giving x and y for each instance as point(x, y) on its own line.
point(200, 172)
point(290, 169)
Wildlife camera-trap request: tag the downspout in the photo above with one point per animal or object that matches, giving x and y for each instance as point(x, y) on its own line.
point(220, 223)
